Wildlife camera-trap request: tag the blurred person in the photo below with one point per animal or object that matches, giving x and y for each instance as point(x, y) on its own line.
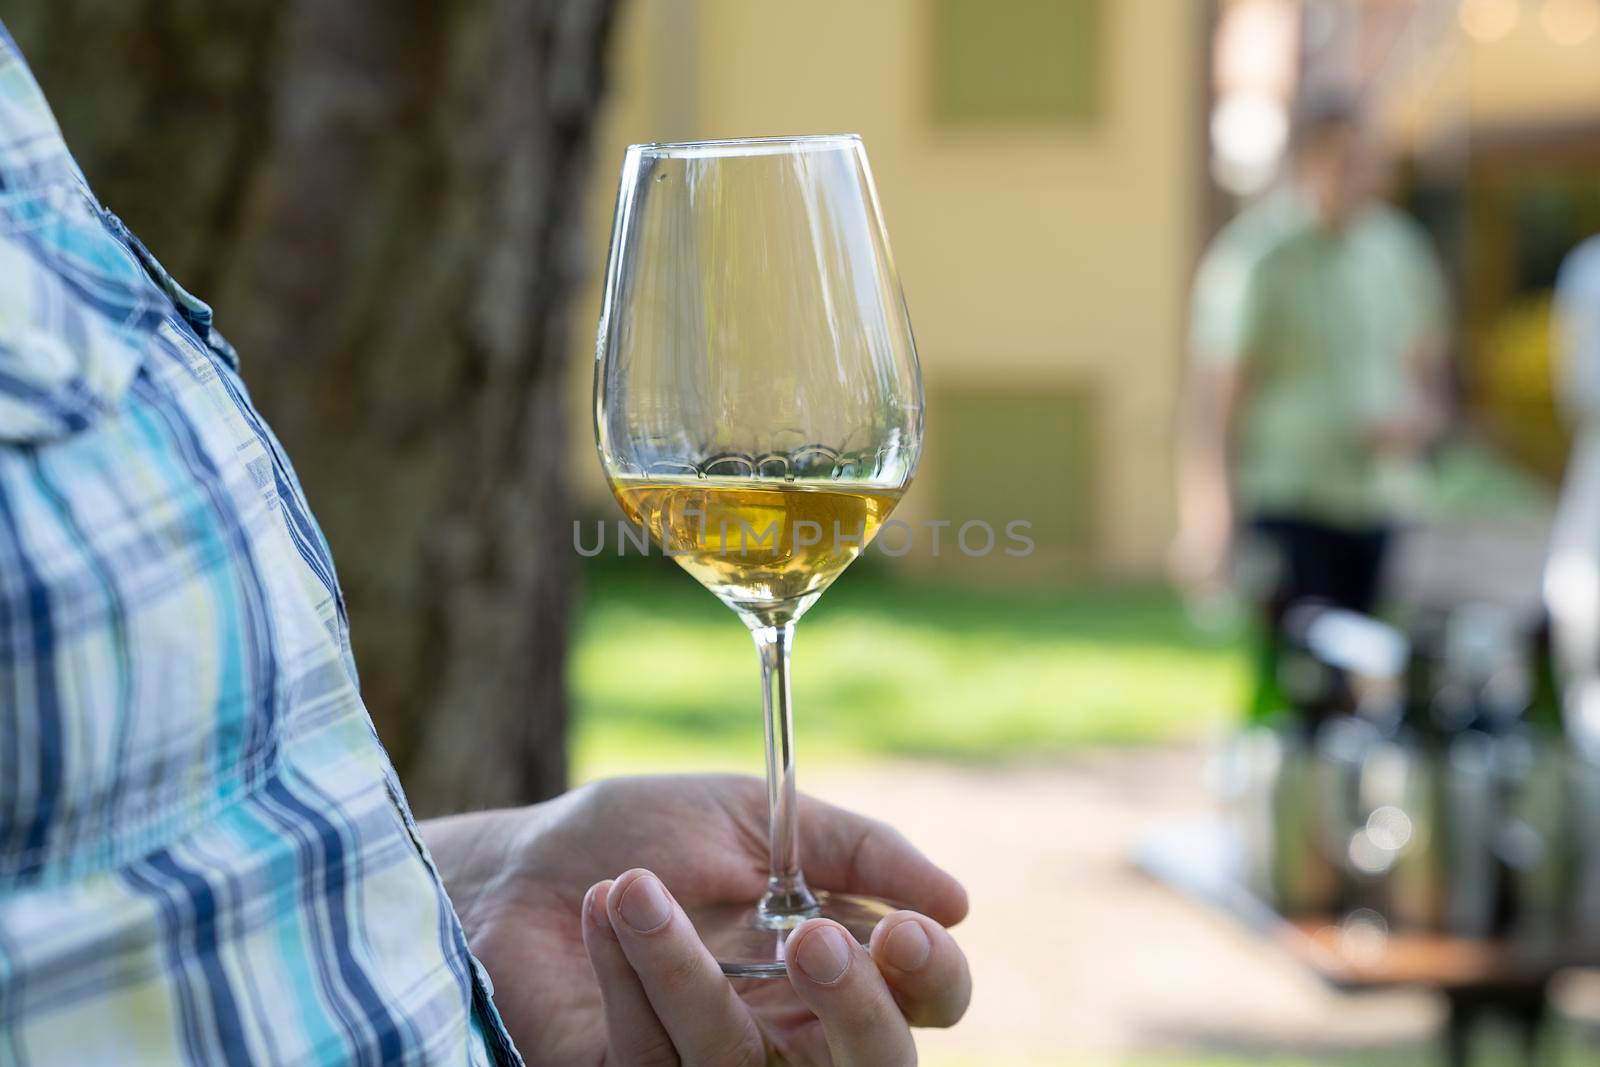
point(1316, 338)
point(1572, 573)
point(205, 855)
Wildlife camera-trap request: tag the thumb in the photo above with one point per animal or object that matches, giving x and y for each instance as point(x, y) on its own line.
point(838, 981)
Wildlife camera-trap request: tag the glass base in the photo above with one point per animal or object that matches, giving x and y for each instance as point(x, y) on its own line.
point(747, 946)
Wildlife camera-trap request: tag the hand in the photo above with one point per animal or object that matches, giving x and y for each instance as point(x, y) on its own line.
point(579, 983)
point(1198, 560)
point(1404, 435)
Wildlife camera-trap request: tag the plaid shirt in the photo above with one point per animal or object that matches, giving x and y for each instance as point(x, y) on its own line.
point(205, 857)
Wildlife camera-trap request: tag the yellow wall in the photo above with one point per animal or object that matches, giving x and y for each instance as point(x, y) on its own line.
point(1522, 77)
point(1526, 75)
point(1030, 256)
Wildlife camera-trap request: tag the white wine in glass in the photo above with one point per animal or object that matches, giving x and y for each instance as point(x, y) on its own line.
point(758, 409)
point(761, 547)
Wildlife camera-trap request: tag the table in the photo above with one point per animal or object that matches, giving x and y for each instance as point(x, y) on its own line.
point(1200, 859)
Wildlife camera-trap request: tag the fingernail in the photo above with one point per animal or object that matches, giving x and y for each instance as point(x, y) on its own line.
point(644, 904)
point(594, 907)
point(907, 947)
point(823, 955)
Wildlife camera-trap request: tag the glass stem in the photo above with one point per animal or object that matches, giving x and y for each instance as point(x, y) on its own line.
point(787, 901)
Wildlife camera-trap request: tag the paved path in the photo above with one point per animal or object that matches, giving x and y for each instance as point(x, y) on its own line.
point(1078, 959)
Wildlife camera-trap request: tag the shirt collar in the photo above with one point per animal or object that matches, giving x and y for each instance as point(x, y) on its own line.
point(33, 153)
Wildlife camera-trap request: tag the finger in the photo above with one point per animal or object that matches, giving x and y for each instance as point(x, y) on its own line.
point(836, 979)
point(706, 1020)
point(853, 854)
point(634, 1035)
point(925, 968)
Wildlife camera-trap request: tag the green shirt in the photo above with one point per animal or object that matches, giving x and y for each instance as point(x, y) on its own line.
point(1322, 324)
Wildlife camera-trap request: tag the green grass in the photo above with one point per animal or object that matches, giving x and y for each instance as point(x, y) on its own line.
point(665, 677)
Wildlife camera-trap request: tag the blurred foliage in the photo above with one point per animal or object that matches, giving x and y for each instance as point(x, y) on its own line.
point(1519, 362)
point(1471, 479)
point(664, 676)
point(1526, 216)
point(1514, 394)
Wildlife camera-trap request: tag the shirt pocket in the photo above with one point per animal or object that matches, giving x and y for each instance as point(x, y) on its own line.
point(77, 312)
point(140, 672)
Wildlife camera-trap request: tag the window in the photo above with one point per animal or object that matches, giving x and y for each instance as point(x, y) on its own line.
point(1009, 453)
point(1017, 60)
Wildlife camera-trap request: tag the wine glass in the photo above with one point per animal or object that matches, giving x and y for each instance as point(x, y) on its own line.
point(758, 408)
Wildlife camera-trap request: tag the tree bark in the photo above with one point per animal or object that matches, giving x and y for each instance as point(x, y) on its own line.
point(383, 202)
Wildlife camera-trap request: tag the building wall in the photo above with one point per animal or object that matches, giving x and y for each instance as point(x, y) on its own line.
point(1525, 77)
point(1036, 258)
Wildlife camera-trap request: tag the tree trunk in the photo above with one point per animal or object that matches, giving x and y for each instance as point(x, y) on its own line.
point(383, 203)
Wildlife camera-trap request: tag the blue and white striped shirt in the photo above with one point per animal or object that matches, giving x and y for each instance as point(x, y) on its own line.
point(205, 856)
